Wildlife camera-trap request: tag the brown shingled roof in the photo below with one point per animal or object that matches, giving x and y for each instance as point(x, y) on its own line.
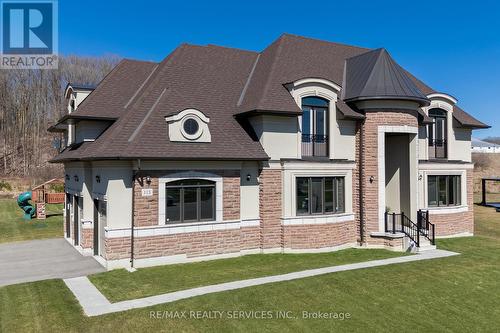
point(220, 82)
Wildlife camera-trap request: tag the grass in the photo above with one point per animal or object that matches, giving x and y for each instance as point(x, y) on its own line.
point(13, 227)
point(455, 294)
point(119, 285)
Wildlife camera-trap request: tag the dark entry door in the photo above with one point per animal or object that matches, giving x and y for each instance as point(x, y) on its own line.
point(96, 227)
point(75, 220)
point(68, 215)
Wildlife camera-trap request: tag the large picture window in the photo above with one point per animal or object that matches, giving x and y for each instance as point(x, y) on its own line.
point(190, 200)
point(444, 191)
point(320, 195)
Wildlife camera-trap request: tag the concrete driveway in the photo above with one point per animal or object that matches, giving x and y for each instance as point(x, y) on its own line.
point(43, 259)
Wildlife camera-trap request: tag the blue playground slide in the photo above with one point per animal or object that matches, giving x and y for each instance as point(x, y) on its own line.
point(23, 202)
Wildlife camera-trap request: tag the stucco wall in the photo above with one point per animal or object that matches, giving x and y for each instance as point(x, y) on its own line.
point(89, 130)
point(278, 135)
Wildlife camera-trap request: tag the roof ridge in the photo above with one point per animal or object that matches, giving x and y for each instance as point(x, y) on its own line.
point(231, 48)
point(380, 51)
point(279, 43)
point(286, 34)
point(154, 75)
point(114, 69)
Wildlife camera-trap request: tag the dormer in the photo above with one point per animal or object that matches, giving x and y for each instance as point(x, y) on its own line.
point(189, 125)
point(75, 94)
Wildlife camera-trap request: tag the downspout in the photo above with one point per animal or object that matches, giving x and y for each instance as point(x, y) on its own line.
point(134, 177)
point(361, 184)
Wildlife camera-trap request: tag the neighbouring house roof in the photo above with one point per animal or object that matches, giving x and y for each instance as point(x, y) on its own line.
point(224, 84)
point(375, 75)
point(480, 143)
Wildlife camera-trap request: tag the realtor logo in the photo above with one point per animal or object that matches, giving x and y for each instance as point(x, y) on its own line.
point(29, 34)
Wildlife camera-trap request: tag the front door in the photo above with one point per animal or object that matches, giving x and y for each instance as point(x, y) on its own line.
point(102, 225)
point(96, 227)
point(68, 215)
point(76, 230)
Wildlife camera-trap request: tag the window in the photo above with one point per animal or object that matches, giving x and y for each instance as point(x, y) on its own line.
point(191, 126)
point(320, 195)
point(314, 126)
point(437, 133)
point(444, 191)
point(190, 200)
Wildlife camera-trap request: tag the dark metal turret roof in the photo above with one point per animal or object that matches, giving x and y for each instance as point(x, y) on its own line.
point(375, 75)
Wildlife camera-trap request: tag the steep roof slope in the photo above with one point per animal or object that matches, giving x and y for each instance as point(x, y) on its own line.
point(115, 89)
point(288, 59)
point(375, 74)
point(206, 78)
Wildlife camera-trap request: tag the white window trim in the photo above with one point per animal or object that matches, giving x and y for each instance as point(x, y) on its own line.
point(347, 175)
point(463, 207)
point(316, 87)
point(218, 180)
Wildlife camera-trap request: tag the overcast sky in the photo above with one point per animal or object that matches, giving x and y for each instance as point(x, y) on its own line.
point(453, 46)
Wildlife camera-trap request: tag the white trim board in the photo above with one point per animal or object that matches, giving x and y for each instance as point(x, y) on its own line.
point(160, 230)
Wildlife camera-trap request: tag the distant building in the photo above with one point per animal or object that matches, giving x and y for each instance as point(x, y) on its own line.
point(480, 146)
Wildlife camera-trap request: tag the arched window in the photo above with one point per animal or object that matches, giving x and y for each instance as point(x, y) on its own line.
point(314, 126)
point(437, 133)
point(190, 200)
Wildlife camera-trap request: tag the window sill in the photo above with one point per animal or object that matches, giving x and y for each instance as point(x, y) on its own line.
point(317, 219)
point(447, 210)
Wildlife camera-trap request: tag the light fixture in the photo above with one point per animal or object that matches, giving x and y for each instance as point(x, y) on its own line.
point(148, 180)
point(249, 177)
point(372, 179)
point(419, 177)
point(98, 179)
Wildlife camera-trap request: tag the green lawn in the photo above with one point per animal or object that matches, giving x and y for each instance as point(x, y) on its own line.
point(455, 294)
point(13, 227)
point(119, 285)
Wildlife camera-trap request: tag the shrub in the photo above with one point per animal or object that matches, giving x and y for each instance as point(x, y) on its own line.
point(4, 186)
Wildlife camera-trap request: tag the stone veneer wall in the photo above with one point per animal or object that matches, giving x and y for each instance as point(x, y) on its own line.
point(87, 235)
point(316, 236)
point(452, 224)
point(373, 120)
point(270, 204)
point(192, 244)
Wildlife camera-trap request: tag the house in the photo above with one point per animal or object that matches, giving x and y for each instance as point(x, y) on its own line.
point(307, 146)
point(480, 146)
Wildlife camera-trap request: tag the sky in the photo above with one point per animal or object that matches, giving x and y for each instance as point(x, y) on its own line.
point(453, 46)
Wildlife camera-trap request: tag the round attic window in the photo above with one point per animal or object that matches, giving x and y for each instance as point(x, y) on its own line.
point(191, 128)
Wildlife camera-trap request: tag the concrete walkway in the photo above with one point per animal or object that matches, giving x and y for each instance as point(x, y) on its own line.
point(43, 259)
point(94, 303)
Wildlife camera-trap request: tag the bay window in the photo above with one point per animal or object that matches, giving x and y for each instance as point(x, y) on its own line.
point(320, 195)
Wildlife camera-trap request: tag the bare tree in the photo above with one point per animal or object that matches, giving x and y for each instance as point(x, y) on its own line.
point(31, 100)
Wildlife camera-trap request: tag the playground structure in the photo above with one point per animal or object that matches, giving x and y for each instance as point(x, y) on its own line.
point(40, 195)
point(495, 204)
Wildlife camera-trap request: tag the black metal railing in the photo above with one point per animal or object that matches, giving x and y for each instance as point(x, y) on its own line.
point(314, 145)
point(402, 223)
point(437, 148)
point(426, 228)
